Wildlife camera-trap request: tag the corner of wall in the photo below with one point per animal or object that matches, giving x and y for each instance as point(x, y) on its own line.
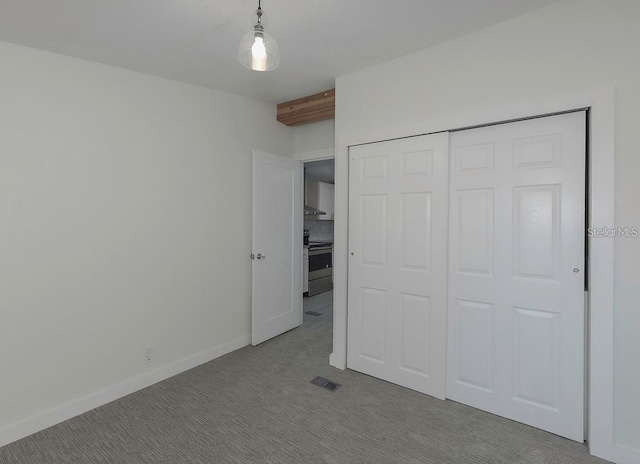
point(77, 407)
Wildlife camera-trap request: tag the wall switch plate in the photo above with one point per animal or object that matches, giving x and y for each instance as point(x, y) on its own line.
point(149, 353)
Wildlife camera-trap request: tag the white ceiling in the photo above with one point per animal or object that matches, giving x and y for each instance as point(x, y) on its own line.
point(195, 41)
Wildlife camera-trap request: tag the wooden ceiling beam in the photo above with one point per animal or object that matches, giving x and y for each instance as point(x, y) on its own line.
point(309, 109)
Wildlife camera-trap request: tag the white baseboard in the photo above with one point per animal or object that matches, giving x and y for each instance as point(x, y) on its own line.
point(334, 363)
point(74, 408)
point(619, 454)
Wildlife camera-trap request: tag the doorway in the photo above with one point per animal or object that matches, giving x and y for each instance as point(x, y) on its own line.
point(319, 178)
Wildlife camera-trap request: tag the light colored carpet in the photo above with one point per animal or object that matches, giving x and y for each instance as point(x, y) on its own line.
point(322, 304)
point(256, 405)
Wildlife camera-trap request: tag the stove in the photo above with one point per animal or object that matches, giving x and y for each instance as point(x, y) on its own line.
point(320, 267)
point(320, 244)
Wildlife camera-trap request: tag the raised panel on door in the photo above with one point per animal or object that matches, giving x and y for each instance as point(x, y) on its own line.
point(474, 158)
point(516, 306)
point(417, 163)
point(536, 241)
point(473, 231)
point(373, 323)
point(416, 231)
point(537, 152)
point(415, 314)
point(374, 168)
point(474, 347)
point(373, 230)
point(397, 242)
point(536, 358)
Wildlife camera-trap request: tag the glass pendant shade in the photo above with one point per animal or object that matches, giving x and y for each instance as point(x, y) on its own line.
point(258, 50)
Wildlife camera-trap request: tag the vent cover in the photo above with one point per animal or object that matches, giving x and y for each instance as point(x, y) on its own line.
point(326, 384)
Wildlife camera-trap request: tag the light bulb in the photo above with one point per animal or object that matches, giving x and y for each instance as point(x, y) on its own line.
point(259, 55)
point(258, 49)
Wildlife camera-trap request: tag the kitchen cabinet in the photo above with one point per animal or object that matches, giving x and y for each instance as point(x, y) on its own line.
point(320, 195)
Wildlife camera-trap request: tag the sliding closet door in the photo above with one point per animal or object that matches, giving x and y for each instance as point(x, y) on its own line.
point(397, 264)
point(516, 271)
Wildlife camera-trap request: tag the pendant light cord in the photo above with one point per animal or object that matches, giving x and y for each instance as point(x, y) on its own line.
point(259, 12)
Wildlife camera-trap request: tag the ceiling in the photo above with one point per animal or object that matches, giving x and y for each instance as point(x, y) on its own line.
point(321, 171)
point(195, 41)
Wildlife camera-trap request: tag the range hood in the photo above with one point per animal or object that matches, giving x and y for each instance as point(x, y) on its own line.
point(318, 202)
point(311, 211)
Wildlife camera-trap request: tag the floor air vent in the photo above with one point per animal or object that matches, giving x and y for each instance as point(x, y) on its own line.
point(313, 313)
point(326, 384)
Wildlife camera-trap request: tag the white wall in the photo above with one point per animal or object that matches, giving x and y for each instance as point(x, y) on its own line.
point(571, 47)
point(125, 217)
point(315, 137)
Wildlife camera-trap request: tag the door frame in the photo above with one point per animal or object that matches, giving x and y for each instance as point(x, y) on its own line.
point(318, 155)
point(310, 156)
point(600, 301)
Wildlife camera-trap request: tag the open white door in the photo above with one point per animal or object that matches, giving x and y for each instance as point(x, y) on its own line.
point(398, 259)
point(277, 245)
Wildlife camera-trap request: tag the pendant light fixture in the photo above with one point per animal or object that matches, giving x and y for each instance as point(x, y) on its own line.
point(258, 50)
